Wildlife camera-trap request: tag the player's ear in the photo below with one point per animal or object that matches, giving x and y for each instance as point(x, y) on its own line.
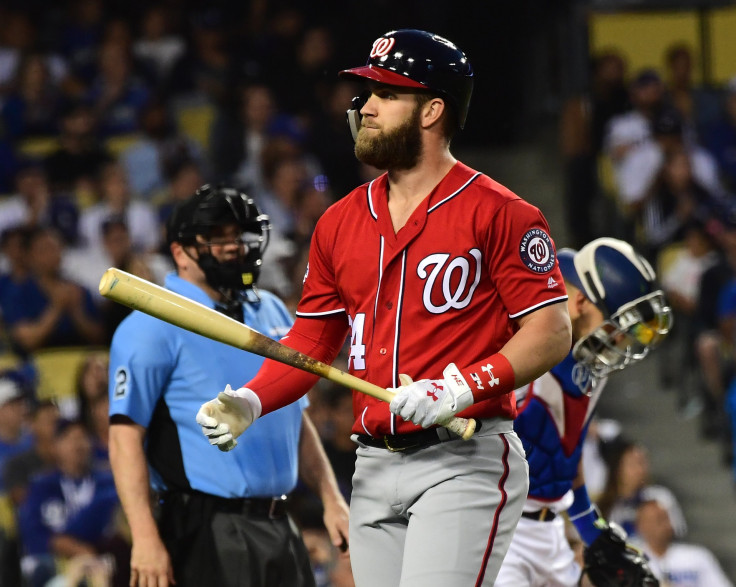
point(432, 111)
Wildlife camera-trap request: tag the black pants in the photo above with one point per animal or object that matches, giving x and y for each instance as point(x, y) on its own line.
point(213, 541)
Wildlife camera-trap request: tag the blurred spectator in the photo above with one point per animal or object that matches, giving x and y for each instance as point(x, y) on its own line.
point(158, 43)
point(285, 174)
point(582, 127)
point(33, 103)
point(628, 478)
point(638, 169)
point(330, 141)
point(160, 147)
point(239, 136)
point(34, 204)
point(631, 129)
point(183, 179)
point(697, 105)
point(15, 438)
point(602, 434)
point(710, 337)
point(680, 277)
point(86, 266)
point(14, 270)
point(74, 166)
point(80, 36)
point(674, 563)
point(70, 511)
point(49, 310)
point(18, 35)
point(675, 202)
point(118, 201)
point(720, 139)
point(311, 69)
point(39, 458)
point(206, 70)
point(116, 95)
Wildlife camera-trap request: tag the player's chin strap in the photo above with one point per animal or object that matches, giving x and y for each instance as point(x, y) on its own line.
point(353, 114)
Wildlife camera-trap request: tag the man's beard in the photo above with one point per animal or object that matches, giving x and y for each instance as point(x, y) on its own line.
point(396, 149)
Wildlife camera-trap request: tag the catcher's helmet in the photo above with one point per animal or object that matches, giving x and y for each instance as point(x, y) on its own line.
point(622, 284)
point(417, 59)
point(212, 207)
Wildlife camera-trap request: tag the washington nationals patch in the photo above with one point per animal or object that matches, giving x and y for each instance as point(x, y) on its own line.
point(536, 251)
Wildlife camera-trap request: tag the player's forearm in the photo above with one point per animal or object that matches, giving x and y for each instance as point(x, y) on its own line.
point(130, 471)
point(314, 466)
point(542, 341)
point(32, 335)
point(278, 385)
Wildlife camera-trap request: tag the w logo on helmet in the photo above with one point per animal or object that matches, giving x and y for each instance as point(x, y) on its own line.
point(382, 47)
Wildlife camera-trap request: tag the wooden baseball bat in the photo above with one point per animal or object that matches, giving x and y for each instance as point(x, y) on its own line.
point(139, 294)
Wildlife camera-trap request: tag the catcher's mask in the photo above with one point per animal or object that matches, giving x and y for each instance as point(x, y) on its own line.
point(211, 208)
point(622, 284)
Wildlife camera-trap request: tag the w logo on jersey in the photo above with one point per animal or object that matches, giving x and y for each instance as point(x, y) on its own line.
point(457, 296)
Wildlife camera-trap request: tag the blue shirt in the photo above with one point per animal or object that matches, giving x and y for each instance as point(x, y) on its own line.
point(83, 508)
point(160, 375)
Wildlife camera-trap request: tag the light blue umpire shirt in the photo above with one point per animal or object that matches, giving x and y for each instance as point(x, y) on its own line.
point(161, 374)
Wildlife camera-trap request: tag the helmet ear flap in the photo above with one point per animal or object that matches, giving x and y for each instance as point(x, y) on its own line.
point(353, 114)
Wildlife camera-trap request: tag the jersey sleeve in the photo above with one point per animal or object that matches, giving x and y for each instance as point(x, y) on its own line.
point(141, 361)
point(523, 260)
point(320, 294)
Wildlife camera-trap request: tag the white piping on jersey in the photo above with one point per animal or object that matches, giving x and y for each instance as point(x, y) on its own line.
point(362, 421)
point(467, 183)
point(320, 313)
point(395, 373)
point(369, 193)
point(378, 289)
point(537, 306)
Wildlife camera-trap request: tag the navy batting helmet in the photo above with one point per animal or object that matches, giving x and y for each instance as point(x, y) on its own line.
point(212, 207)
point(417, 59)
point(622, 285)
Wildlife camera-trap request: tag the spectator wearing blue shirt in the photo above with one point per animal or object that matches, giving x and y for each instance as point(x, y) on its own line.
point(69, 511)
point(222, 515)
point(117, 96)
point(49, 310)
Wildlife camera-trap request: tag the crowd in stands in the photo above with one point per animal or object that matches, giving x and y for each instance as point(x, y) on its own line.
point(109, 116)
point(649, 157)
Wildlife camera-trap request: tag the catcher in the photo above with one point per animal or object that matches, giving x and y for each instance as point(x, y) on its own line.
point(618, 314)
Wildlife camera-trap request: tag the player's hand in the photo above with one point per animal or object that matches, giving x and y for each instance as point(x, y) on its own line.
point(227, 416)
point(150, 563)
point(428, 402)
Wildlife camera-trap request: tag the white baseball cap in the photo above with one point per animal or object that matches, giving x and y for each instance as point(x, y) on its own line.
point(9, 391)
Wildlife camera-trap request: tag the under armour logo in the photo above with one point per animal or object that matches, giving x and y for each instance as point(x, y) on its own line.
point(494, 380)
point(433, 393)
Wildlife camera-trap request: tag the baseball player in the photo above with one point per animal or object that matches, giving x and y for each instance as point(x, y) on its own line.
point(222, 517)
point(618, 314)
point(441, 275)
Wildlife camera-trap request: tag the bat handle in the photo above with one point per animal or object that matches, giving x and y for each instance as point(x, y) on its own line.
point(465, 428)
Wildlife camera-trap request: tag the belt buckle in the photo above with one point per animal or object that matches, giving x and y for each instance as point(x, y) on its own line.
point(396, 448)
point(272, 507)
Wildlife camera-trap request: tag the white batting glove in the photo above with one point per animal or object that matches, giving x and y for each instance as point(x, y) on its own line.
point(227, 416)
point(432, 401)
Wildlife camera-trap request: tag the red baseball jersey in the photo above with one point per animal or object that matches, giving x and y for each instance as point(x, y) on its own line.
point(446, 288)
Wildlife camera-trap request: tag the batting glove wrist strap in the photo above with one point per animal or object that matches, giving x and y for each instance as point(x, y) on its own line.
point(489, 378)
point(459, 388)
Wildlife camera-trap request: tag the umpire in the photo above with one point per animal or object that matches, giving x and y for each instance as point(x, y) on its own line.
point(222, 518)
